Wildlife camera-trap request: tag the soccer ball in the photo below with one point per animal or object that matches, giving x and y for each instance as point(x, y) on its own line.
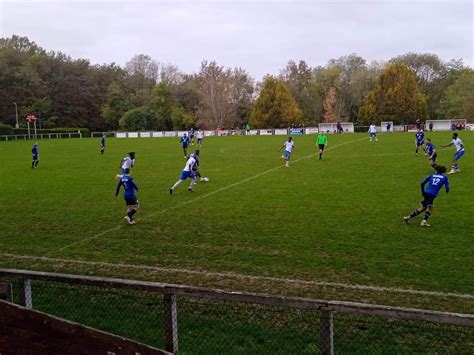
point(205, 179)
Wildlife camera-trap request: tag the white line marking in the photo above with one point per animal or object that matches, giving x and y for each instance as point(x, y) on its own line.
point(195, 199)
point(244, 276)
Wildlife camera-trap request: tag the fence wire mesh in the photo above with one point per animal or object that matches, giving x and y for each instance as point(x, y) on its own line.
point(209, 326)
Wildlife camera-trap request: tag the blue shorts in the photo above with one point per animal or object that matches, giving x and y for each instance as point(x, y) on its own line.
point(419, 143)
point(373, 134)
point(187, 174)
point(428, 200)
point(35, 156)
point(185, 146)
point(131, 201)
point(199, 139)
point(287, 154)
point(458, 154)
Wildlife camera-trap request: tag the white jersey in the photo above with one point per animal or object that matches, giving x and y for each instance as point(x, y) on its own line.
point(200, 134)
point(127, 163)
point(372, 129)
point(458, 144)
point(189, 164)
point(289, 146)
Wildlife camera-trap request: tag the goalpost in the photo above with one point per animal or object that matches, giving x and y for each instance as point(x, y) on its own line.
point(347, 127)
point(445, 125)
point(384, 127)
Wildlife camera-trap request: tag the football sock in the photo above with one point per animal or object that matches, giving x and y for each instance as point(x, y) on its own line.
point(320, 156)
point(427, 216)
point(36, 163)
point(414, 213)
point(131, 213)
point(33, 164)
point(193, 181)
point(176, 184)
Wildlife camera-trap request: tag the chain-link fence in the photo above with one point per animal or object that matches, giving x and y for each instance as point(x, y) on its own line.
point(202, 321)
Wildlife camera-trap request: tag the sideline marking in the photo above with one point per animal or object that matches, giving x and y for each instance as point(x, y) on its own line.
point(245, 276)
point(195, 199)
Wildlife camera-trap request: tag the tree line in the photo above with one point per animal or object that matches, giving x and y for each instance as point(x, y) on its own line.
point(148, 95)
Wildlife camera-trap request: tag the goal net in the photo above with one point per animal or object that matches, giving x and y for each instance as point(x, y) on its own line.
point(445, 125)
point(386, 127)
point(347, 127)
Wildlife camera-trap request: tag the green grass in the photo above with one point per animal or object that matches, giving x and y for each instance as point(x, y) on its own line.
point(335, 220)
point(223, 327)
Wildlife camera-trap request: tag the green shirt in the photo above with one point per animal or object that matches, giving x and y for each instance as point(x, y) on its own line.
point(322, 139)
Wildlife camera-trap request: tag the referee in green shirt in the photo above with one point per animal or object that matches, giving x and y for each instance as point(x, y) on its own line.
point(321, 141)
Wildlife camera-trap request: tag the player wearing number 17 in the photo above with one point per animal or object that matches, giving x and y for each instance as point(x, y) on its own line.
point(435, 183)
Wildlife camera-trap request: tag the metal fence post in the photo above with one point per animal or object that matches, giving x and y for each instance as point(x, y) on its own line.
point(171, 323)
point(26, 297)
point(326, 334)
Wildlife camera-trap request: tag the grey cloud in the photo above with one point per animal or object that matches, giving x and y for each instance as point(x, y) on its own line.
point(259, 36)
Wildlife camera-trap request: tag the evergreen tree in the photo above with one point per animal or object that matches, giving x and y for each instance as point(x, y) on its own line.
point(396, 98)
point(275, 106)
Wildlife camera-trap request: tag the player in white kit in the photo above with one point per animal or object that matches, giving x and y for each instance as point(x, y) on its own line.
point(186, 173)
point(373, 132)
point(200, 137)
point(288, 145)
point(457, 142)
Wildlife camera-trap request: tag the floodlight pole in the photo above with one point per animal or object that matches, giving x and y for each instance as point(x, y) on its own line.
point(17, 125)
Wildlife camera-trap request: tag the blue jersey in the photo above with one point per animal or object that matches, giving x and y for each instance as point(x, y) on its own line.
point(191, 133)
point(35, 150)
point(430, 148)
point(435, 183)
point(196, 157)
point(128, 185)
point(102, 142)
point(420, 136)
point(185, 141)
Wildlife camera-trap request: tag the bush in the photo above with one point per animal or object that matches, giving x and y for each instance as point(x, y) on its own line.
point(137, 119)
point(5, 130)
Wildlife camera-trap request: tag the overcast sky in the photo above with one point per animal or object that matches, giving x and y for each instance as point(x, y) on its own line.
point(260, 36)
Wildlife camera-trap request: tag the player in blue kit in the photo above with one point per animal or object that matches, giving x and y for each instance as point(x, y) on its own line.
point(186, 173)
point(435, 183)
point(459, 153)
point(35, 154)
point(185, 143)
point(191, 136)
point(420, 140)
point(129, 195)
point(102, 144)
point(430, 151)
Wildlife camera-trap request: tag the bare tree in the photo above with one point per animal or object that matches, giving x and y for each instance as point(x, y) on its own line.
point(143, 65)
point(224, 93)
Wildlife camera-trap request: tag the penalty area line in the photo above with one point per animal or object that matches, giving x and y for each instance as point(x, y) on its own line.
point(195, 199)
point(245, 276)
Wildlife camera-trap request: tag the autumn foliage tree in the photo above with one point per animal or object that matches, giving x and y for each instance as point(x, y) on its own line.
point(396, 98)
point(329, 105)
point(275, 106)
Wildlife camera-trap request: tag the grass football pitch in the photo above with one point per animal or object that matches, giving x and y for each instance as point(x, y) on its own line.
point(315, 229)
